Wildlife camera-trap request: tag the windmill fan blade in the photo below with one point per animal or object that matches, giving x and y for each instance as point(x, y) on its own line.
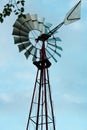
point(35, 55)
point(51, 55)
point(48, 25)
point(36, 25)
point(23, 22)
point(28, 17)
point(41, 24)
point(20, 39)
point(19, 32)
point(54, 51)
point(15, 31)
point(28, 52)
point(34, 17)
point(23, 46)
point(60, 48)
point(54, 39)
point(41, 20)
point(30, 25)
point(57, 39)
point(56, 32)
point(51, 40)
point(44, 30)
point(29, 21)
point(41, 27)
point(33, 23)
point(19, 26)
point(34, 20)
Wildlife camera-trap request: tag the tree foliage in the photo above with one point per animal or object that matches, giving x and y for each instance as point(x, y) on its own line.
point(13, 6)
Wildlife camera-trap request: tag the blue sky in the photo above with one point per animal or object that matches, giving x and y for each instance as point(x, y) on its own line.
point(68, 77)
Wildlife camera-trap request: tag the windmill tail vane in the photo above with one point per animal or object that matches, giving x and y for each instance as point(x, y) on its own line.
point(72, 16)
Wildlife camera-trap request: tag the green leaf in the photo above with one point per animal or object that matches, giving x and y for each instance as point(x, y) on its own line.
point(20, 15)
point(14, 10)
point(1, 20)
point(4, 15)
point(0, 14)
point(22, 9)
point(22, 3)
point(22, 0)
point(13, 6)
point(7, 5)
point(18, 2)
point(16, 13)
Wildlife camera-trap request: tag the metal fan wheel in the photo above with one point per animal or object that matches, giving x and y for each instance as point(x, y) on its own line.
point(26, 30)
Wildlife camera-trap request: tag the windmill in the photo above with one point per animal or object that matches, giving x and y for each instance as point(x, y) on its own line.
point(33, 35)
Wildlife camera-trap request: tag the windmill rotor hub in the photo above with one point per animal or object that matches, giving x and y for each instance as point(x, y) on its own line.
point(42, 37)
point(33, 39)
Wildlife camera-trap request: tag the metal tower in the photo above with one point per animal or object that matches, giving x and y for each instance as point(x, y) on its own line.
point(42, 117)
point(33, 35)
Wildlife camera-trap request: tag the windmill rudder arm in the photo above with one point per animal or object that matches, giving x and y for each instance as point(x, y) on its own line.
point(56, 28)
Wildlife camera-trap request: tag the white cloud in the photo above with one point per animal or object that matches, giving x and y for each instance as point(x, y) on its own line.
point(73, 2)
point(15, 101)
point(24, 75)
point(5, 98)
point(73, 99)
point(84, 3)
point(77, 26)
